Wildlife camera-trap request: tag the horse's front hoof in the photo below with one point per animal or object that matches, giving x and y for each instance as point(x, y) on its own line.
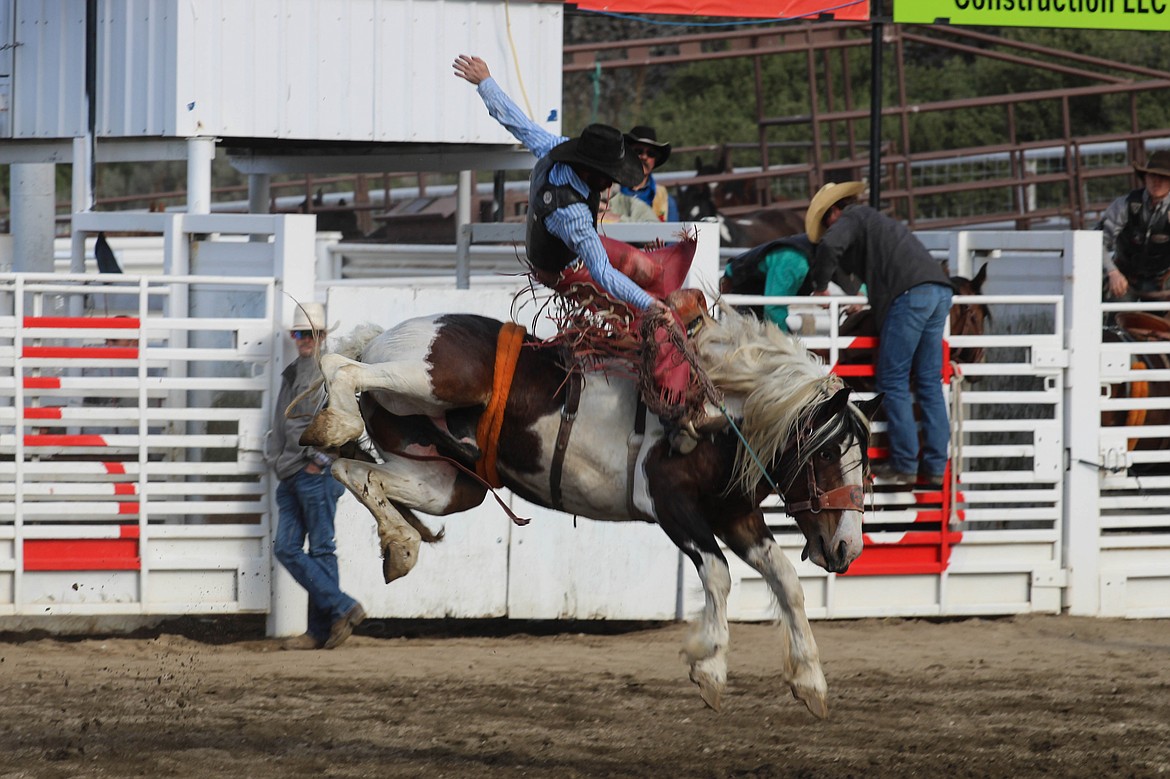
point(817, 705)
point(814, 696)
point(711, 676)
point(712, 695)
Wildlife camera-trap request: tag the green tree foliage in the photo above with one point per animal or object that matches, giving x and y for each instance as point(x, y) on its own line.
point(713, 101)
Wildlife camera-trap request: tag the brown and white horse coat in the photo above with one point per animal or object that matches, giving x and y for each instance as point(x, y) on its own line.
point(423, 385)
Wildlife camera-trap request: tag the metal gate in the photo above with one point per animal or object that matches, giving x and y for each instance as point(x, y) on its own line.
point(990, 542)
point(132, 440)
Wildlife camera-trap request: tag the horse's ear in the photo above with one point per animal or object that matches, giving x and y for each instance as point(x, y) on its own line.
point(698, 164)
point(980, 278)
point(946, 266)
point(834, 405)
point(870, 407)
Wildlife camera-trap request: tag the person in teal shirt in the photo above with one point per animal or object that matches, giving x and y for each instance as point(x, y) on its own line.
point(777, 269)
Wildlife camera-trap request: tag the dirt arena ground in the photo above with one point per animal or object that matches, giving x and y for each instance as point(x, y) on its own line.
point(1016, 697)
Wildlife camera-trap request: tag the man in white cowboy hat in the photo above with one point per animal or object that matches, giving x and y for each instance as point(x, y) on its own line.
point(307, 494)
point(910, 295)
point(564, 197)
point(643, 142)
point(1136, 235)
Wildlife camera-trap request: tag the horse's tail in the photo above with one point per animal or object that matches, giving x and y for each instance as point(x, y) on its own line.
point(424, 532)
point(354, 344)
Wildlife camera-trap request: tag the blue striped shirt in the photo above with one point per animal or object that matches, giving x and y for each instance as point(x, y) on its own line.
point(573, 223)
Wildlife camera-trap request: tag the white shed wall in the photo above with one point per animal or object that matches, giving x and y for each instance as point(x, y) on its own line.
point(48, 69)
point(329, 70)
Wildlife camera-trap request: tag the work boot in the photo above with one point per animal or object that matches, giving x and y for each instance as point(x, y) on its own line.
point(303, 641)
point(343, 627)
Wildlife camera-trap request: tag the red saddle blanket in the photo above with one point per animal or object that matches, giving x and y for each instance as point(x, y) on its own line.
point(658, 271)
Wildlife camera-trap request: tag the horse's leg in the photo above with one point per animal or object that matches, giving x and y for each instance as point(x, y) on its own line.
point(392, 489)
point(341, 422)
point(750, 539)
point(706, 647)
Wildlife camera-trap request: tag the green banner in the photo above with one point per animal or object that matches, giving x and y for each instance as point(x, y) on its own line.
point(1089, 14)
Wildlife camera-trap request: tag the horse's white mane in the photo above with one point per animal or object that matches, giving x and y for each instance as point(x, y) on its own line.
point(780, 382)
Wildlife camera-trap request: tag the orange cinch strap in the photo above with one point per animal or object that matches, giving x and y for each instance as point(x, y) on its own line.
point(487, 432)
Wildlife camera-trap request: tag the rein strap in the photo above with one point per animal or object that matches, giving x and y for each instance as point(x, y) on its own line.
point(487, 432)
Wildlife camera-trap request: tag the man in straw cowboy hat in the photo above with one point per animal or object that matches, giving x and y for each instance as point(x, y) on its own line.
point(642, 141)
point(1136, 235)
point(307, 495)
point(564, 198)
point(910, 295)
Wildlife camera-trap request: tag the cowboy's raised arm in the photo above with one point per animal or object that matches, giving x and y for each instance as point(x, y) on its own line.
point(501, 107)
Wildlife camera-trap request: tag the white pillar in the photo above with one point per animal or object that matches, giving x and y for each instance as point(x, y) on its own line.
point(34, 209)
point(259, 199)
point(462, 217)
point(259, 193)
point(82, 201)
point(1082, 394)
point(200, 153)
point(293, 248)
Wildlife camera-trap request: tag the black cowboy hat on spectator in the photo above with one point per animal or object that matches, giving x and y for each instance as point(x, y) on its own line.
point(1159, 163)
point(603, 149)
point(646, 136)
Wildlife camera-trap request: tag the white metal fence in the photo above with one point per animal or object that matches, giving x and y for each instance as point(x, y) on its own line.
point(131, 440)
point(136, 484)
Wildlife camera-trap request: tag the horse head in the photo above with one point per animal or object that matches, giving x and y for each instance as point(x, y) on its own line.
point(821, 476)
point(696, 202)
point(969, 318)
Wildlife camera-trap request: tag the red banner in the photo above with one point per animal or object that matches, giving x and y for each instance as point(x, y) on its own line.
point(844, 10)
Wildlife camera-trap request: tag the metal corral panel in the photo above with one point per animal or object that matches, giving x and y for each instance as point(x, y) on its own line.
point(332, 70)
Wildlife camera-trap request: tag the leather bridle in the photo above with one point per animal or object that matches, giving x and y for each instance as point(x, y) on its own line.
point(848, 497)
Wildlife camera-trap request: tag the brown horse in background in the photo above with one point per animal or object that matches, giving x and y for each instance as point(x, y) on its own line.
point(965, 319)
point(1137, 326)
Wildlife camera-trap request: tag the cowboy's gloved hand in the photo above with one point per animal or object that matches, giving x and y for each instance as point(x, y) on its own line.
point(471, 69)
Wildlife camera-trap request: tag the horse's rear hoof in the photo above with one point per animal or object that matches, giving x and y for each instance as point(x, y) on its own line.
point(398, 560)
point(331, 429)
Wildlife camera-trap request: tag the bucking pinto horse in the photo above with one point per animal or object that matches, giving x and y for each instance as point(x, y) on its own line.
point(428, 394)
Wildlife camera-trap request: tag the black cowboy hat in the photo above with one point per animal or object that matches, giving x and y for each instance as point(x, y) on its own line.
point(646, 135)
point(603, 149)
point(1159, 163)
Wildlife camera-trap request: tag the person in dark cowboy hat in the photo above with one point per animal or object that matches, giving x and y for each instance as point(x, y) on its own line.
point(642, 141)
point(565, 187)
point(1136, 236)
point(564, 198)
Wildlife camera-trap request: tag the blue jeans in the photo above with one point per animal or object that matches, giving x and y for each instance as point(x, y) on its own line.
point(307, 503)
point(911, 343)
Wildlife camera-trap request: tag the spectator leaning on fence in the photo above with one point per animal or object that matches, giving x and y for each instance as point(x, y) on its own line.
point(910, 296)
point(307, 495)
point(1136, 235)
